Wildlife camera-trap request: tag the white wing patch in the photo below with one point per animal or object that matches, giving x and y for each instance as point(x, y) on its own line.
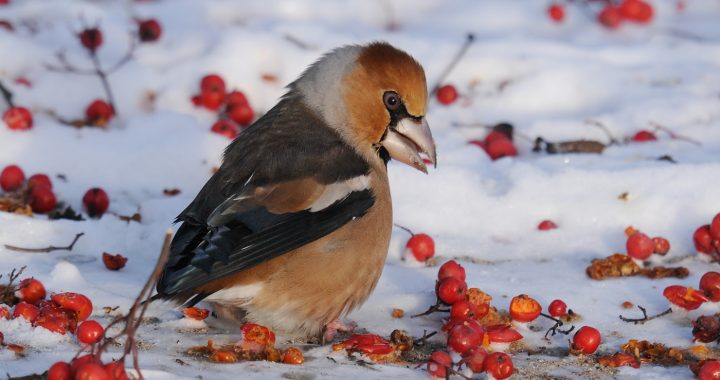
point(236, 295)
point(339, 190)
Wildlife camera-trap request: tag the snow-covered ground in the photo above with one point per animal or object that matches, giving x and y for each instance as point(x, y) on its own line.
point(546, 79)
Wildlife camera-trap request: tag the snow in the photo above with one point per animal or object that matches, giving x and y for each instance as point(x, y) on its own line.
point(554, 79)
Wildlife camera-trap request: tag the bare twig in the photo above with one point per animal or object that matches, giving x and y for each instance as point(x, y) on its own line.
point(404, 229)
point(645, 317)
point(605, 129)
point(299, 43)
point(556, 327)
point(431, 310)
point(46, 249)
point(7, 95)
point(674, 135)
point(424, 338)
point(463, 49)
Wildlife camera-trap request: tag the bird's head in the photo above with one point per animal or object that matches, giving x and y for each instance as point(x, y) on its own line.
point(375, 96)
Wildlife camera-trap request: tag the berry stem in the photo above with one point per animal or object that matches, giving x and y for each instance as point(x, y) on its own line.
point(673, 135)
point(469, 39)
point(7, 94)
point(104, 80)
point(645, 317)
point(404, 229)
point(46, 249)
point(555, 329)
point(431, 310)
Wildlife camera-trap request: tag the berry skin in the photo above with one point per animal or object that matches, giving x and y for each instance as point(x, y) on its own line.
point(293, 356)
point(662, 245)
point(715, 228)
point(499, 365)
point(149, 30)
point(462, 338)
point(450, 290)
point(96, 202)
point(114, 262)
point(98, 113)
point(76, 302)
point(212, 83)
point(686, 298)
point(446, 94)
point(709, 371)
point(500, 148)
point(475, 358)
point(116, 369)
point(610, 17)
point(242, 114)
point(92, 371)
point(643, 136)
point(27, 311)
point(438, 363)
point(557, 308)
point(12, 178)
point(91, 38)
point(89, 332)
point(556, 12)
point(36, 180)
point(421, 246)
point(225, 128)
point(639, 246)
point(60, 371)
point(31, 290)
point(710, 285)
point(586, 340)
point(637, 11)
point(18, 118)
point(42, 200)
point(463, 310)
point(546, 225)
point(703, 240)
point(451, 269)
point(524, 308)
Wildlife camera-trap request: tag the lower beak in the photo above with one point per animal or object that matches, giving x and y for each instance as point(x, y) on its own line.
point(408, 140)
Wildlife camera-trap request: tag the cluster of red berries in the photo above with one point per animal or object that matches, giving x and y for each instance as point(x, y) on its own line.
point(640, 246)
point(88, 366)
point(39, 192)
point(497, 145)
point(707, 239)
point(233, 107)
point(612, 14)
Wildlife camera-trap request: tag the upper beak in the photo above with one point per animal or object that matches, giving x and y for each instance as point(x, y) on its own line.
point(410, 138)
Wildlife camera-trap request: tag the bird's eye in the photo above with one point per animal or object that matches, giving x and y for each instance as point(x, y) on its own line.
point(391, 100)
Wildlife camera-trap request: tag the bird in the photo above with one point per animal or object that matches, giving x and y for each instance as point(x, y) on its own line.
point(293, 229)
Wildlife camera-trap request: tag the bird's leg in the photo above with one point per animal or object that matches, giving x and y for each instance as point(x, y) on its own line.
point(332, 328)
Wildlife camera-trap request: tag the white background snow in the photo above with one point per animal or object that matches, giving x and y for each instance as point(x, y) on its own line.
point(559, 76)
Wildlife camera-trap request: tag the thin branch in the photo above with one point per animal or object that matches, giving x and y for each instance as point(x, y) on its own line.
point(645, 317)
point(404, 229)
point(431, 310)
point(463, 49)
point(7, 94)
point(424, 338)
point(674, 135)
point(46, 249)
point(299, 43)
point(605, 129)
point(556, 327)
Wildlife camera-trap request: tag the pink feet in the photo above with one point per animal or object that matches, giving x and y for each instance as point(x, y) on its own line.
point(332, 328)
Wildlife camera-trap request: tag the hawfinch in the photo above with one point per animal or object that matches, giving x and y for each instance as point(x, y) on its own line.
point(293, 229)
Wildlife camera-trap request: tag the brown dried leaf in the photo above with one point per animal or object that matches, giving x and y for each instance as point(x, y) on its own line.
point(664, 272)
point(648, 352)
point(171, 192)
point(619, 359)
point(114, 262)
point(136, 217)
point(398, 313)
point(616, 265)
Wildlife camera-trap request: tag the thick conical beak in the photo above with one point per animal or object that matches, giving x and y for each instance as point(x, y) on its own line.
point(408, 140)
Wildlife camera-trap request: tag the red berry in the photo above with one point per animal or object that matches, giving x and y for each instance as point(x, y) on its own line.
point(213, 83)
point(610, 17)
point(55, 318)
point(502, 333)
point(662, 245)
point(76, 302)
point(556, 12)
point(475, 359)
point(524, 308)
point(462, 338)
point(547, 225)
point(421, 246)
point(642, 136)
point(18, 118)
point(92, 371)
point(450, 290)
point(499, 365)
point(703, 240)
point(98, 113)
point(96, 202)
point(42, 199)
point(500, 148)
point(438, 364)
point(451, 269)
point(242, 114)
point(116, 370)
point(149, 30)
point(236, 98)
point(212, 100)
point(225, 128)
point(89, 332)
point(557, 308)
point(710, 284)
point(586, 340)
point(31, 290)
point(27, 311)
point(39, 180)
point(709, 371)
point(91, 38)
point(446, 94)
point(636, 10)
point(639, 246)
point(464, 310)
point(715, 228)
point(12, 178)
point(60, 371)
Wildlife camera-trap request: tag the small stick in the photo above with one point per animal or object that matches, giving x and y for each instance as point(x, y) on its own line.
point(404, 229)
point(468, 41)
point(297, 42)
point(431, 310)
point(674, 135)
point(555, 329)
point(425, 337)
point(7, 94)
point(605, 129)
point(645, 317)
point(46, 249)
